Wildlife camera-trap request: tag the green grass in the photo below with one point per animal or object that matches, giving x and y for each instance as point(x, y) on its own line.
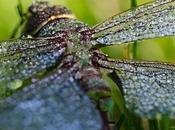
point(93, 12)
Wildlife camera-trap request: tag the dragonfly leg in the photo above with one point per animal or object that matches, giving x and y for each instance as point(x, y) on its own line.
point(91, 79)
point(116, 80)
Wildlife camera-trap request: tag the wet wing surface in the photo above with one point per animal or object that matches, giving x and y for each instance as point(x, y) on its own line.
point(54, 103)
point(148, 87)
point(151, 20)
point(22, 59)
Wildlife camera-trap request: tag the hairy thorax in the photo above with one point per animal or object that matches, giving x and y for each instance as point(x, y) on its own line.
point(75, 35)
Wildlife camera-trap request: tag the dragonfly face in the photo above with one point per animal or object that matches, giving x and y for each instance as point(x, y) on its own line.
point(44, 78)
point(40, 13)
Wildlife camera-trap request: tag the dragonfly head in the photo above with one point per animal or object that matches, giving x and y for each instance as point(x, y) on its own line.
point(40, 13)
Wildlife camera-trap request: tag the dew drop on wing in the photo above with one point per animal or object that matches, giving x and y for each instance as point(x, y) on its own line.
point(148, 87)
point(54, 103)
point(24, 58)
point(155, 19)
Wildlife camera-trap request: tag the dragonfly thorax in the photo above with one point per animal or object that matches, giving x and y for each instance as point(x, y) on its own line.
point(75, 35)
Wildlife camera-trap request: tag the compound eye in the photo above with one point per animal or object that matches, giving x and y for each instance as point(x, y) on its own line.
point(38, 7)
point(40, 13)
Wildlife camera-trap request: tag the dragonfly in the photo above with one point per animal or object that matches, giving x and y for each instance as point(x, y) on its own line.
point(45, 75)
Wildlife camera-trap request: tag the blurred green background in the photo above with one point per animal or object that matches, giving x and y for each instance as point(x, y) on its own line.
point(93, 12)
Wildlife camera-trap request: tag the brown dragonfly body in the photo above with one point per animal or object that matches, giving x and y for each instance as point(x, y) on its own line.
point(60, 27)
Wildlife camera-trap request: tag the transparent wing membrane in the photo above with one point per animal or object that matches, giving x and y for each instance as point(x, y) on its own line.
point(22, 59)
point(53, 103)
point(148, 87)
point(151, 20)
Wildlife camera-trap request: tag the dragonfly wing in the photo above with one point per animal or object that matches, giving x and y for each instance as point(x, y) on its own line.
point(148, 87)
point(22, 59)
point(53, 103)
point(151, 20)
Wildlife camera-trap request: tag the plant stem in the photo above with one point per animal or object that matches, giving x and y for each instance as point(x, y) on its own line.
point(132, 52)
point(153, 125)
point(133, 3)
point(22, 19)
